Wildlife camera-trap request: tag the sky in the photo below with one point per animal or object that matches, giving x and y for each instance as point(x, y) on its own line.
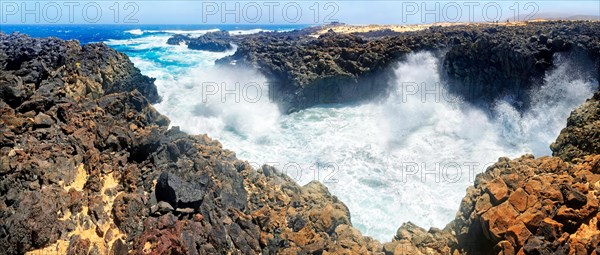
point(285, 12)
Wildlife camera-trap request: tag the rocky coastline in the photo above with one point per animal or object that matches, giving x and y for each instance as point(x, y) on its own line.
point(481, 62)
point(88, 166)
point(217, 41)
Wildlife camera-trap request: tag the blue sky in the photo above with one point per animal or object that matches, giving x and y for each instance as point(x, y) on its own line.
point(284, 12)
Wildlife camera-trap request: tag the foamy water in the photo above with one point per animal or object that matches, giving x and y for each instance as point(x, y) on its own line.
point(408, 157)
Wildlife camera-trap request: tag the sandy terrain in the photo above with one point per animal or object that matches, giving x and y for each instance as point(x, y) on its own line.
point(347, 29)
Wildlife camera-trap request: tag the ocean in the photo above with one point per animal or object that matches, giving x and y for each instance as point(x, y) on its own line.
point(406, 157)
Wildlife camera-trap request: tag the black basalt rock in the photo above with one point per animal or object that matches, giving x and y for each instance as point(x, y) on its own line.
point(480, 64)
point(213, 41)
point(178, 39)
point(178, 193)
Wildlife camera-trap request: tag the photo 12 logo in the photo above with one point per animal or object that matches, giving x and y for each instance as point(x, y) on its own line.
point(34, 12)
point(469, 11)
point(324, 172)
point(289, 12)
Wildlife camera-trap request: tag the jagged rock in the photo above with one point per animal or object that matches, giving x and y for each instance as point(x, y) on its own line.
point(411, 232)
point(412, 239)
point(178, 193)
point(497, 190)
point(548, 213)
point(519, 200)
point(481, 63)
point(581, 137)
point(550, 229)
point(212, 41)
point(43, 120)
point(178, 39)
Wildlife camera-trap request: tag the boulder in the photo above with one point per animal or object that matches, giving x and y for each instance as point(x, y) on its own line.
point(178, 193)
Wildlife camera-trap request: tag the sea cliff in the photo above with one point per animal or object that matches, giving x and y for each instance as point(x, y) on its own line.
point(481, 62)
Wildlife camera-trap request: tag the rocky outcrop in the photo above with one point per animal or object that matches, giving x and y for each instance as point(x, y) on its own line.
point(29, 64)
point(213, 41)
point(520, 206)
point(412, 239)
point(89, 167)
point(481, 62)
point(178, 39)
point(581, 137)
point(218, 41)
point(305, 220)
point(532, 206)
point(333, 68)
point(491, 62)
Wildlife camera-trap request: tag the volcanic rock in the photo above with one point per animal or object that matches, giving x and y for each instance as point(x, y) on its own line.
point(481, 63)
point(178, 39)
point(87, 165)
point(546, 215)
point(212, 41)
point(178, 193)
point(107, 175)
point(581, 137)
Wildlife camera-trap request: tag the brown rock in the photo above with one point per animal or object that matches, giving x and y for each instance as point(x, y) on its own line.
point(405, 247)
point(497, 190)
point(531, 218)
point(552, 193)
point(566, 214)
point(518, 200)
point(483, 203)
point(351, 240)
point(505, 248)
point(410, 231)
point(578, 249)
point(550, 229)
point(517, 235)
point(497, 220)
point(78, 245)
point(533, 186)
point(390, 247)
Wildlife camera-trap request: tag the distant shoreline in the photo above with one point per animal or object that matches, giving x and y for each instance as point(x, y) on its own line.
point(342, 28)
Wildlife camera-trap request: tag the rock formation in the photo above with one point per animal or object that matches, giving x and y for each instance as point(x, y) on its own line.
point(481, 62)
point(218, 41)
point(178, 39)
point(581, 137)
point(88, 166)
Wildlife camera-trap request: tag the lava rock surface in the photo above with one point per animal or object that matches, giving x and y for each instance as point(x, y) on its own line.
point(480, 62)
